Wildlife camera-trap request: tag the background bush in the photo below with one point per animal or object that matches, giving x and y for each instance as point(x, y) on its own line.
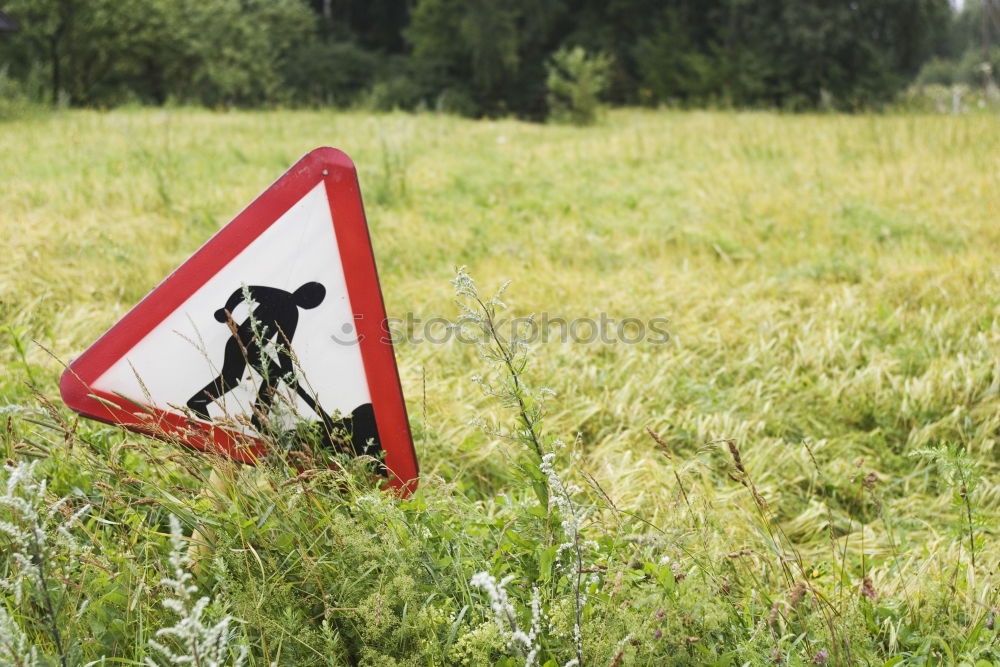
point(575, 82)
point(488, 58)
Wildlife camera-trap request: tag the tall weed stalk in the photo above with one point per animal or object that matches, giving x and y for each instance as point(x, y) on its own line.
point(507, 355)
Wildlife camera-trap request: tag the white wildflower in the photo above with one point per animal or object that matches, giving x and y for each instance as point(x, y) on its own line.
point(201, 644)
point(463, 283)
point(35, 532)
point(561, 497)
point(503, 612)
point(526, 643)
point(536, 628)
point(14, 644)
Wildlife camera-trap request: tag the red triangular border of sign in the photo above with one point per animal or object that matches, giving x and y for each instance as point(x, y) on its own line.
point(337, 171)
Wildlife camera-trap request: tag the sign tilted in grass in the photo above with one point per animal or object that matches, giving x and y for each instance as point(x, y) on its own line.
point(277, 320)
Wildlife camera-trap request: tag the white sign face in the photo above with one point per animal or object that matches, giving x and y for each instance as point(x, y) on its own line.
point(277, 320)
point(193, 360)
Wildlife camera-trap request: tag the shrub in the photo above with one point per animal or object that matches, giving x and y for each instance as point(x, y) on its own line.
point(335, 72)
point(937, 71)
point(14, 100)
point(393, 93)
point(575, 82)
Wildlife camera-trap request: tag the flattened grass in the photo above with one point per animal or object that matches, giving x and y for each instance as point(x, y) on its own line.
point(831, 284)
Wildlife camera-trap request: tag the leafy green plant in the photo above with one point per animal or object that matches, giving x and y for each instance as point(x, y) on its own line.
point(508, 356)
point(575, 82)
point(44, 550)
point(14, 99)
point(962, 475)
point(199, 644)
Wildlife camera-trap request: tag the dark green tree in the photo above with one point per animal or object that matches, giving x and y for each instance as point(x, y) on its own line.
point(489, 56)
point(788, 55)
point(492, 51)
point(101, 52)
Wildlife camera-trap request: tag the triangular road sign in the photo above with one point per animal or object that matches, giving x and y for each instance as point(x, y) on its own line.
point(277, 318)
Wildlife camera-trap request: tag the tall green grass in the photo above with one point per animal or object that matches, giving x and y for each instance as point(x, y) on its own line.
point(806, 471)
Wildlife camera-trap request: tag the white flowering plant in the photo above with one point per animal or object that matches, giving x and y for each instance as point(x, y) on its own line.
point(42, 556)
point(558, 568)
point(191, 640)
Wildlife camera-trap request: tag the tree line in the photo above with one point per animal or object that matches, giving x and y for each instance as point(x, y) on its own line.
point(486, 57)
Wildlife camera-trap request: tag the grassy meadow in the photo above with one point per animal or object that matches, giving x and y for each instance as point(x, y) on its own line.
point(820, 485)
